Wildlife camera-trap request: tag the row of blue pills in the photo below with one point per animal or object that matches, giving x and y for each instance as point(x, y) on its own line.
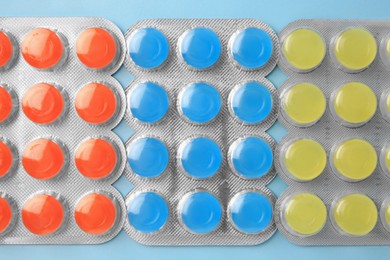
point(200, 102)
point(200, 157)
point(200, 212)
point(200, 48)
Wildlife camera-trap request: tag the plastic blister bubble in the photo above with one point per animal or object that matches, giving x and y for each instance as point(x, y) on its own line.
point(44, 48)
point(250, 212)
point(147, 212)
point(303, 214)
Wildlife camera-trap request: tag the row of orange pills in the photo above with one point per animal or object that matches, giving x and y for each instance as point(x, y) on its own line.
point(46, 103)
point(47, 49)
point(47, 213)
point(43, 158)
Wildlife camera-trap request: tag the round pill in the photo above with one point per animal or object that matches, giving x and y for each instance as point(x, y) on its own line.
point(43, 103)
point(43, 214)
point(304, 214)
point(354, 103)
point(386, 160)
point(200, 102)
point(148, 157)
point(148, 48)
point(200, 157)
point(355, 49)
point(388, 103)
point(43, 159)
point(6, 159)
point(304, 159)
point(148, 102)
point(303, 104)
point(387, 49)
point(384, 105)
point(355, 214)
point(96, 48)
point(304, 49)
point(387, 215)
point(42, 48)
point(6, 214)
point(251, 102)
point(96, 103)
point(95, 213)
point(6, 50)
point(354, 159)
point(251, 157)
point(147, 212)
point(250, 212)
point(200, 212)
point(251, 48)
point(95, 158)
point(6, 104)
point(384, 50)
point(200, 48)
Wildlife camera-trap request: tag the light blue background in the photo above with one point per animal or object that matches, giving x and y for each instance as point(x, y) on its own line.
point(277, 13)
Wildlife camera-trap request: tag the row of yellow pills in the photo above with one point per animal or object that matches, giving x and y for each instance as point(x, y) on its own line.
point(353, 49)
point(352, 104)
point(351, 160)
point(305, 214)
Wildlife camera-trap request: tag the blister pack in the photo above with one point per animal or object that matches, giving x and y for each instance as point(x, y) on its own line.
point(58, 156)
point(335, 157)
point(200, 106)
